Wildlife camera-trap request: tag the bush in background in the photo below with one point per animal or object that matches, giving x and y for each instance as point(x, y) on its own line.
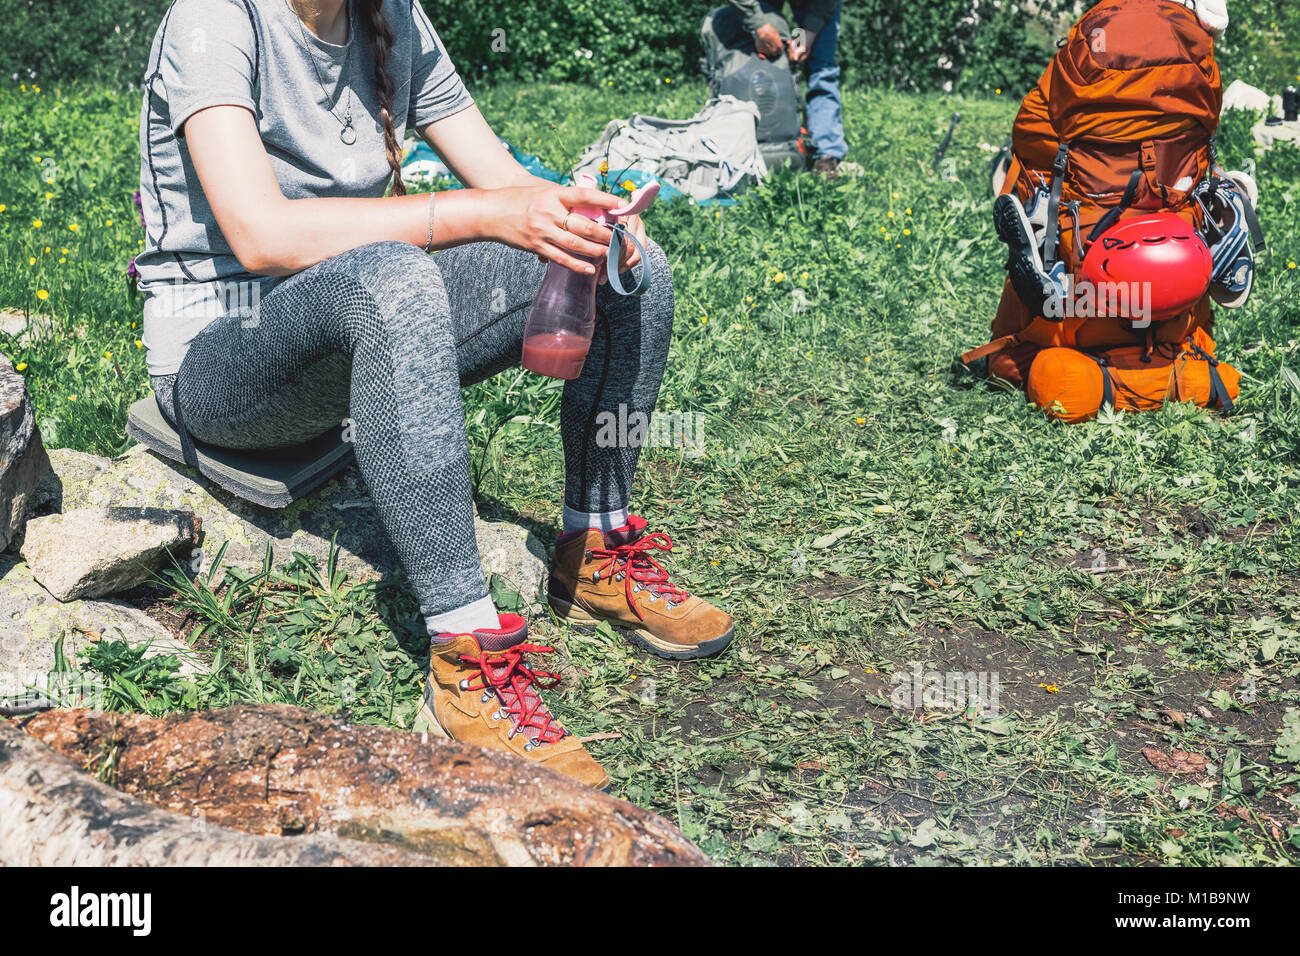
point(968, 46)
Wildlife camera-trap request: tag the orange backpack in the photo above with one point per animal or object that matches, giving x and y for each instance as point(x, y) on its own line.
point(1120, 124)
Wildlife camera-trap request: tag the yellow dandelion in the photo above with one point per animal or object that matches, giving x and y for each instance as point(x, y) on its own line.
point(62, 259)
point(63, 251)
point(37, 223)
point(49, 182)
point(3, 207)
point(42, 294)
point(862, 421)
point(73, 226)
point(891, 214)
point(21, 366)
point(908, 210)
point(907, 232)
point(72, 398)
point(49, 195)
point(108, 354)
point(31, 261)
point(1290, 263)
point(803, 275)
point(998, 91)
point(47, 249)
point(138, 343)
point(108, 222)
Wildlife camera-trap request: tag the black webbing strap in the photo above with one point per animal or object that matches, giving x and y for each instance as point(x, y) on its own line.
point(187, 443)
point(1112, 214)
point(1218, 391)
point(1054, 206)
point(1107, 392)
point(1252, 223)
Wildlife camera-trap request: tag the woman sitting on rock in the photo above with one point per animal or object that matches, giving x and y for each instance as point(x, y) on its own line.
point(287, 292)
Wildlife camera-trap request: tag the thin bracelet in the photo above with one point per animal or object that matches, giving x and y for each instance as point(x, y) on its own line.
point(428, 245)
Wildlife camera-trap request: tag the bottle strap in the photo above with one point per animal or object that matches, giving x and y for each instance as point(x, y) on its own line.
point(621, 234)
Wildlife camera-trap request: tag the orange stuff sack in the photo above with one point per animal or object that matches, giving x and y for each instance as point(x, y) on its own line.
point(1072, 385)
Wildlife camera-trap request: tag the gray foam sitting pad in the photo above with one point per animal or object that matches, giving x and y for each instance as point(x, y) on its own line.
point(272, 479)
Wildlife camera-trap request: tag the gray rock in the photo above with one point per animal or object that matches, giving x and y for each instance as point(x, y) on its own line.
point(339, 510)
point(24, 327)
point(22, 454)
point(31, 623)
point(93, 552)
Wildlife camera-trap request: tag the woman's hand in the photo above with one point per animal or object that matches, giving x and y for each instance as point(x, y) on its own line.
point(539, 219)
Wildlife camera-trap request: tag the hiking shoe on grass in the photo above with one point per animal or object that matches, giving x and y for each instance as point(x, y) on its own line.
point(481, 691)
point(615, 577)
point(827, 166)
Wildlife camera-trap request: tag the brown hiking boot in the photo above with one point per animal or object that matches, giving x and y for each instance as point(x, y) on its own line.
point(827, 166)
point(612, 577)
point(480, 691)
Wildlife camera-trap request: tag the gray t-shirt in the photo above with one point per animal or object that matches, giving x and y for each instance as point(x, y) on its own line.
point(258, 54)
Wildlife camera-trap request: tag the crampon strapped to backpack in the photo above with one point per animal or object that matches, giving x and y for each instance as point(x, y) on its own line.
point(1120, 226)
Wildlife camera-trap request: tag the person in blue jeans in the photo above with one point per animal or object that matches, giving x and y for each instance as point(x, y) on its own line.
point(814, 42)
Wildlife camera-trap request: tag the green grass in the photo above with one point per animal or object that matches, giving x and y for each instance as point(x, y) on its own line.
point(863, 507)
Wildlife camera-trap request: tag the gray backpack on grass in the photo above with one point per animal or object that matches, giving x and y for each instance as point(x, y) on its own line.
point(734, 68)
point(714, 152)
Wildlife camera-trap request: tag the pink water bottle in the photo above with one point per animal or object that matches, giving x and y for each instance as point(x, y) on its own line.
point(557, 335)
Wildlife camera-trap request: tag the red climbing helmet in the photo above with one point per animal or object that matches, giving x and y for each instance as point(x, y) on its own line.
point(1159, 257)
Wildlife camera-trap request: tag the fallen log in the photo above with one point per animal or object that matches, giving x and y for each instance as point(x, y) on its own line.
point(53, 814)
point(285, 775)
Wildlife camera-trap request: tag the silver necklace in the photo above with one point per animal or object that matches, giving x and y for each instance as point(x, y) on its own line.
point(346, 132)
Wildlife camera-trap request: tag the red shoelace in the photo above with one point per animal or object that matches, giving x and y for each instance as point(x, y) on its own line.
point(640, 568)
point(515, 685)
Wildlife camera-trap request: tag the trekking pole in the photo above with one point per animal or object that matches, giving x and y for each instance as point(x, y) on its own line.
point(943, 147)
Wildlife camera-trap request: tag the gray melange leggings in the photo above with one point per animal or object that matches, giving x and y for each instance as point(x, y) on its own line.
point(387, 336)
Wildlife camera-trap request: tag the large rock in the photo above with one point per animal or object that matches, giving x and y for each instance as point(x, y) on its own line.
point(32, 622)
point(93, 552)
point(339, 510)
point(22, 454)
